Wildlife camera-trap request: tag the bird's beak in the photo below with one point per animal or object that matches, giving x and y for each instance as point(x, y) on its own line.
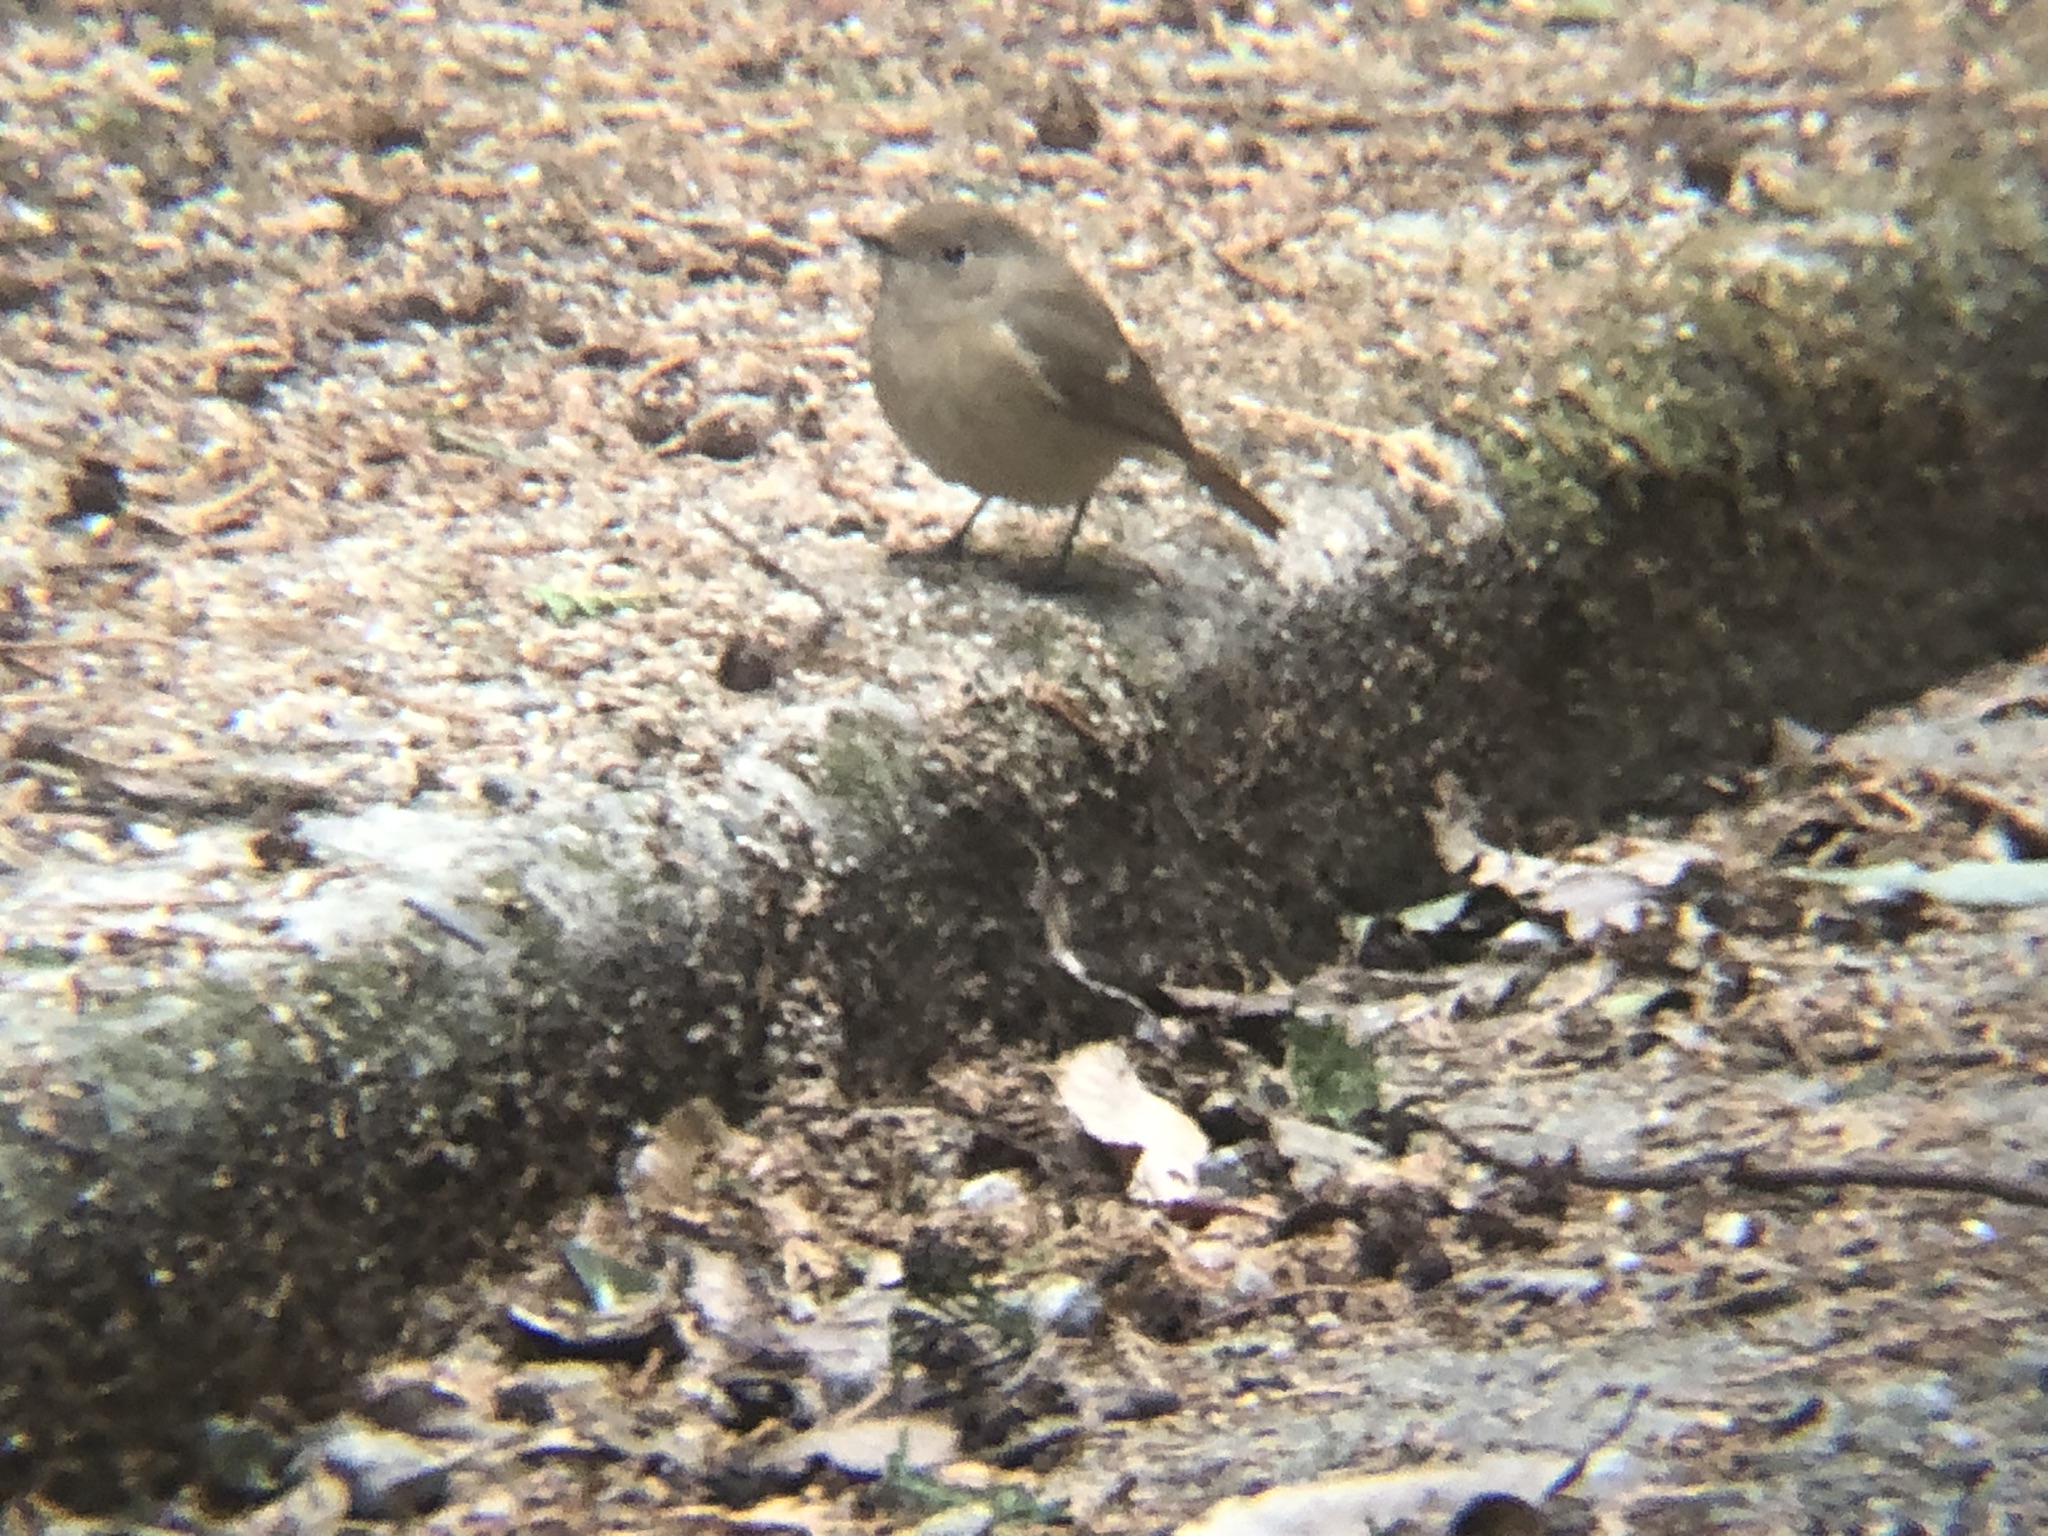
point(877, 245)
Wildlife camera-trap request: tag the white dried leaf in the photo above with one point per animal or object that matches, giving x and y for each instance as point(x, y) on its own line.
point(866, 1447)
point(1101, 1089)
point(1360, 1506)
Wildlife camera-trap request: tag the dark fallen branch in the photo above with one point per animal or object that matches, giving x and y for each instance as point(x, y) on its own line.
point(1735, 1167)
point(1747, 1175)
point(455, 930)
point(1637, 1396)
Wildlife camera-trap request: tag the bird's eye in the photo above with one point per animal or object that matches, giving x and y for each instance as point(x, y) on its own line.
point(953, 255)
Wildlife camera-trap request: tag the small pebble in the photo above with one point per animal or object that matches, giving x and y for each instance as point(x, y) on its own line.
point(1142, 1403)
point(961, 1520)
point(991, 1191)
point(151, 837)
point(1226, 1173)
point(885, 1269)
point(1733, 1229)
point(389, 1476)
point(747, 665)
point(1066, 1306)
point(1251, 1280)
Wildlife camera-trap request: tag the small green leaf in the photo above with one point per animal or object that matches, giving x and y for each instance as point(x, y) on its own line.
point(611, 1284)
point(1334, 1081)
point(568, 607)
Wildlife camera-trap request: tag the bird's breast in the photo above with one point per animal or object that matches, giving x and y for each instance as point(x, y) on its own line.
point(967, 400)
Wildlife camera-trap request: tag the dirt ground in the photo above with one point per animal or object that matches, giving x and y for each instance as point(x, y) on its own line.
point(470, 398)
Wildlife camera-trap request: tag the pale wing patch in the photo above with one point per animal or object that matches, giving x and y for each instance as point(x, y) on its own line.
point(1115, 376)
point(1033, 363)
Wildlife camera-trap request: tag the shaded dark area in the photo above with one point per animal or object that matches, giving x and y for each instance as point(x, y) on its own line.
point(278, 1220)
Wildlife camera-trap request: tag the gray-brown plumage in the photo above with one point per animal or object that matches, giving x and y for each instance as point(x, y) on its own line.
point(1001, 368)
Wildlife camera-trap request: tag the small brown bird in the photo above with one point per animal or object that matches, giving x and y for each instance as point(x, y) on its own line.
point(1001, 368)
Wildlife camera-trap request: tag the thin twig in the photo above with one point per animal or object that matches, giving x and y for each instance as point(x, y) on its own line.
point(1433, 117)
point(1745, 1175)
point(1619, 1428)
point(448, 925)
point(767, 564)
point(659, 368)
point(208, 518)
point(1050, 903)
point(1733, 1166)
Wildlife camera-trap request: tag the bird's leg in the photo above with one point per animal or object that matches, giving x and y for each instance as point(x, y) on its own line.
point(1059, 564)
point(956, 543)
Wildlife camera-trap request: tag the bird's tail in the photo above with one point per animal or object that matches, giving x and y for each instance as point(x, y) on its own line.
point(1220, 481)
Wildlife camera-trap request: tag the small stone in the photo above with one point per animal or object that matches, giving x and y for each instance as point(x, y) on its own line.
point(18, 293)
point(390, 1476)
point(503, 791)
point(151, 838)
point(1426, 1268)
point(650, 423)
point(417, 1405)
point(846, 1348)
point(87, 844)
point(1040, 1448)
point(1066, 1306)
point(1525, 940)
point(1251, 1280)
point(1066, 117)
point(1226, 1173)
point(1733, 1229)
point(884, 1269)
point(1142, 1403)
point(94, 489)
point(747, 665)
point(730, 430)
point(523, 1402)
point(1537, 1285)
point(990, 1192)
point(867, 1448)
point(961, 1520)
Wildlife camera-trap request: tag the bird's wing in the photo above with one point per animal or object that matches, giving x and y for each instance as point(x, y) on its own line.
point(1073, 345)
point(1072, 342)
